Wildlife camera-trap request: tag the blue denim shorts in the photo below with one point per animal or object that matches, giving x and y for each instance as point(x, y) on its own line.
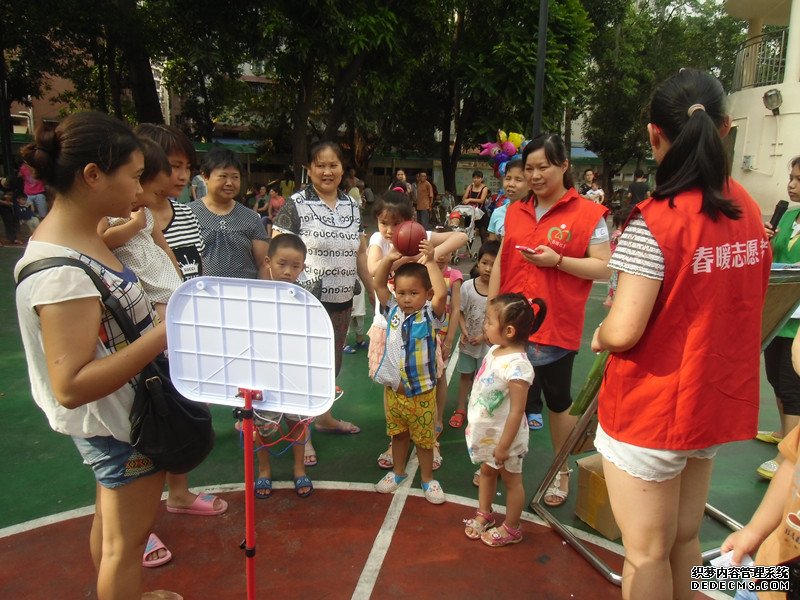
point(114, 463)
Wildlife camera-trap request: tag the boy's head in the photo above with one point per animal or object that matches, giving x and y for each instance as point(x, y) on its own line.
point(595, 185)
point(286, 257)
point(412, 287)
point(22, 199)
point(223, 174)
point(486, 257)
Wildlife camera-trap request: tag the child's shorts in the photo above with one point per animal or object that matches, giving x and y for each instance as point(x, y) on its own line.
point(415, 414)
point(114, 463)
point(647, 463)
point(513, 464)
point(467, 364)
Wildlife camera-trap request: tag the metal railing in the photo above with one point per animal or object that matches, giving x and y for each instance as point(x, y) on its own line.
point(761, 60)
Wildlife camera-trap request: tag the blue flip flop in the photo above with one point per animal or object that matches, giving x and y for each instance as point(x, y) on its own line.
point(263, 484)
point(303, 482)
point(535, 421)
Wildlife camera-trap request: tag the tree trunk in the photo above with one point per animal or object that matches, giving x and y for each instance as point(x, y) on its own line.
point(206, 126)
point(450, 111)
point(568, 116)
point(302, 109)
point(6, 129)
point(142, 83)
point(344, 79)
point(101, 101)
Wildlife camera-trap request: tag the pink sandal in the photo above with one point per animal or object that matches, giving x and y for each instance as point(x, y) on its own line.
point(496, 537)
point(474, 529)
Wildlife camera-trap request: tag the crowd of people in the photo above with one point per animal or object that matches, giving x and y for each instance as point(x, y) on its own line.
point(671, 394)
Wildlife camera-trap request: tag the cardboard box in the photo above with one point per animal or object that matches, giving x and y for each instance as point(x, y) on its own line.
point(592, 505)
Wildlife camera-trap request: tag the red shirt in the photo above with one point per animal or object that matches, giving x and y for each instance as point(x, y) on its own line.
point(567, 228)
point(692, 380)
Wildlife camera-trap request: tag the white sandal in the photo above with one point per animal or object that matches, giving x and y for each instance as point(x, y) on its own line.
point(437, 457)
point(556, 491)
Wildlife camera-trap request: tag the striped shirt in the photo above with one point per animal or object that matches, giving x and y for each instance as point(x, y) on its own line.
point(410, 355)
point(183, 237)
point(229, 240)
point(637, 252)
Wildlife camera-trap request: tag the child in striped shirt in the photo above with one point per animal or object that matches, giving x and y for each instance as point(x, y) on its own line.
point(408, 365)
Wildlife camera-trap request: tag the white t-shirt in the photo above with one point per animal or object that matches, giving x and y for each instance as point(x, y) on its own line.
point(490, 404)
point(377, 239)
point(473, 307)
point(108, 416)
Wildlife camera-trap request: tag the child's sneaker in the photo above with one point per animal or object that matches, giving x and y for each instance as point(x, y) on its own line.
point(433, 492)
point(348, 349)
point(389, 483)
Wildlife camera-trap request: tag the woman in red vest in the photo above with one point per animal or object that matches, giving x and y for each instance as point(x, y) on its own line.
point(556, 243)
point(685, 336)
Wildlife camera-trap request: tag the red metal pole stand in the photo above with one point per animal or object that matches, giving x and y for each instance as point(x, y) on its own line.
point(249, 544)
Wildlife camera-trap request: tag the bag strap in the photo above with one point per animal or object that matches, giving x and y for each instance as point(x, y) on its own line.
point(110, 301)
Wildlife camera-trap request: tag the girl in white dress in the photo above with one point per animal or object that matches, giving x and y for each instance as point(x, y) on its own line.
point(497, 434)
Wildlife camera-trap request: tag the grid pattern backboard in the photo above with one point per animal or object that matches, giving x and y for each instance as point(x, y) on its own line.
point(224, 334)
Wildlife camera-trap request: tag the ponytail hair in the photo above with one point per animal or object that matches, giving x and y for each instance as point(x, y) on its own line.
point(517, 310)
point(689, 108)
point(395, 203)
point(58, 155)
point(555, 151)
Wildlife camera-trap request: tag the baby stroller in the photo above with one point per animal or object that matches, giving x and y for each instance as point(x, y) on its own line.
point(441, 210)
point(463, 218)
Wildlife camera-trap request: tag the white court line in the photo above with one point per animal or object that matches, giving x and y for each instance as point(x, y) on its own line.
point(369, 574)
point(374, 563)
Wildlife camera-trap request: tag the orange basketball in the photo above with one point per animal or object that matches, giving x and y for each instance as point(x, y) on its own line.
point(407, 236)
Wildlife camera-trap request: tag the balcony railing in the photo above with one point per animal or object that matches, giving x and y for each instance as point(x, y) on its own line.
point(760, 61)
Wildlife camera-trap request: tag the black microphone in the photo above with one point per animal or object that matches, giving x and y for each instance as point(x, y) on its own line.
point(780, 208)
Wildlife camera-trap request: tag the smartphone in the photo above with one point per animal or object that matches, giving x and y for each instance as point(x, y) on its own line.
point(527, 249)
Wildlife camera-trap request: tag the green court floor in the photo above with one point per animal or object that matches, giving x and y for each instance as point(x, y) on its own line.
point(43, 475)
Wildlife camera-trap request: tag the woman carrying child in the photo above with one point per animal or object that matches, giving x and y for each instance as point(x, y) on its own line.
point(497, 434)
point(79, 363)
point(181, 231)
point(408, 368)
point(683, 375)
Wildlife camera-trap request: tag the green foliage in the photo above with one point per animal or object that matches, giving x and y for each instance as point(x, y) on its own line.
point(646, 43)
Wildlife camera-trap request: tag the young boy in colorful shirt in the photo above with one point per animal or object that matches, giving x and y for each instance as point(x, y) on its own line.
point(408, 365)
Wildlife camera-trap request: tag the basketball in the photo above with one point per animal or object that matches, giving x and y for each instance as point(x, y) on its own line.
point(407, 236)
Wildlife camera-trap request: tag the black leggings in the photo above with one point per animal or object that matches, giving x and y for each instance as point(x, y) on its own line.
point(555, 381)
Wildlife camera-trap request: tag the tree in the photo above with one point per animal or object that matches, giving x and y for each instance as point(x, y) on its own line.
point(646, 43)
point(489, 72)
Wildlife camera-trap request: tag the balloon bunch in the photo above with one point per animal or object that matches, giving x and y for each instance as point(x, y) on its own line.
point(507, 147)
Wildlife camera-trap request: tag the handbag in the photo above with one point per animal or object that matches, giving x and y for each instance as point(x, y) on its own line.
point(174, 432)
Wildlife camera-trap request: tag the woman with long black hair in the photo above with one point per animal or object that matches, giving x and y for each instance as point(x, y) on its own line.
point(684, 334)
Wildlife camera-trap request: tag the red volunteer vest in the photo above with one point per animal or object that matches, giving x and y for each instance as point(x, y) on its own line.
point(692, 380)
point(567, 228)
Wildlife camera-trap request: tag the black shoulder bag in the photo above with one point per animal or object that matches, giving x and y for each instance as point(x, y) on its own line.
point(172, 431)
